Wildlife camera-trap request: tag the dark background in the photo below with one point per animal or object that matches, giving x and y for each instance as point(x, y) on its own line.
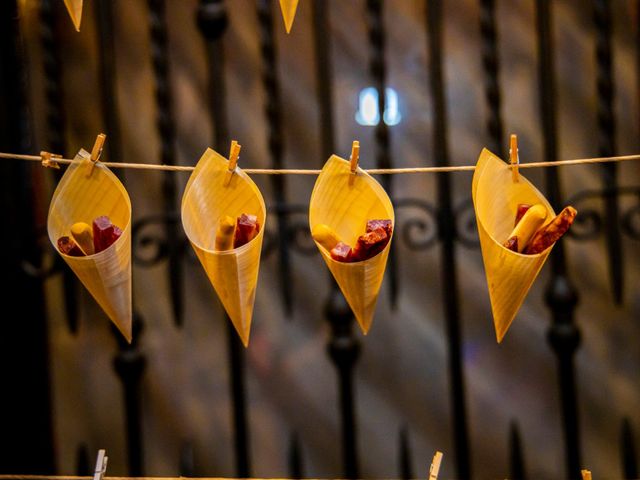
point(62, 399)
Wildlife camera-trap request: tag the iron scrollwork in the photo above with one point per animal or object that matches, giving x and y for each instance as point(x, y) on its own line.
point(589, 223)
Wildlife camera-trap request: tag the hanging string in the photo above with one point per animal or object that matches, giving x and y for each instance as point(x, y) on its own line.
point(291, 171)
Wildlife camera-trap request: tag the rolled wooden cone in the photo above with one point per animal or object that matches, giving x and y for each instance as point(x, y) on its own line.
point(81, 198)
point(346, 206)
point(74, 7)
point(233, 273)
point(509, 274)
point(288, 8)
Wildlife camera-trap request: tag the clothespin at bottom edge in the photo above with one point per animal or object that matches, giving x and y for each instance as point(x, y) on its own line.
point(101, 465)
point(47, 159)
point(353, 160)
point(434, 469)
point(586, 474)
point(96, 151)
point(514, 158)
point(234, 154)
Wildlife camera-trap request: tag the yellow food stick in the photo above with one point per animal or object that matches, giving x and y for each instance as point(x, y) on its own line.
point(224, 235)
point(83, 235)
point(325, 236)
point(528, 225)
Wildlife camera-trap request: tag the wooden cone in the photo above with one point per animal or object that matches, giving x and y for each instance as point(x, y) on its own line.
point(346, 206)
point(233, 273)
point(81, 197)
point(288, 8)
point(510, 275)
point(74, 7)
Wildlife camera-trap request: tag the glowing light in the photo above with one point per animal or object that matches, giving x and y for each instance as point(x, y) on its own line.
point(368, 114)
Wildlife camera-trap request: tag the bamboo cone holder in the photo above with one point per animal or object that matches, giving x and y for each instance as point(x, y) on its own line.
point(288, 8)
point(87, 191)
point(510, 275)
point(345, 202)
point(74, 7)
point(211, 193)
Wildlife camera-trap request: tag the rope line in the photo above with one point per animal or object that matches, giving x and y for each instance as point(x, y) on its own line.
point(372, 171)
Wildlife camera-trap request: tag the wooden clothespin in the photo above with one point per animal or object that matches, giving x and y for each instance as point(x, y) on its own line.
point(234, 154)
point(96, 151)
point(514, 158)
point(434, 470)
point(353, 160)
point(586, 474)
point(101, 465)
point(47, 160)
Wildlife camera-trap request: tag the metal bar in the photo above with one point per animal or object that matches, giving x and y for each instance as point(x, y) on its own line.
point(275, 143)
point(404, 460)
point(606, 144)
point(55, 116)
point(25, 406)
point(166, 131)
point(628, 448)
point(212, 21)
point(447, 229)
point(343, 347)
point(561, 296)
point(344, 350)
point(378, 72)
point(295, 457)
point(129, 364)
point(491, 70)
point(516, 455)
point(107, 76)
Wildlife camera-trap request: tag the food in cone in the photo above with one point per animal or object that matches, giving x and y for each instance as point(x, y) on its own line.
point(497, 198)
point(343, 212)
point(85, 192)
point(288, 8)
point(210, 204)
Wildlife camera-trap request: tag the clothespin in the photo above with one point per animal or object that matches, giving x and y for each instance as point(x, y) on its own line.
point(101, 465)
point(514, 158)
point(234, 154)
point(434, 470)
point(353, 160)
point(96, 151)
point(586, 474)
point(47, 160)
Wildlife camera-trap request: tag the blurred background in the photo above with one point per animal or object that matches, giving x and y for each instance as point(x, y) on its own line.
point(311, 396)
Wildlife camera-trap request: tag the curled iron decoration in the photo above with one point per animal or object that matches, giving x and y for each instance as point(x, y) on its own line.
point(149, 244)
point(47, 263)
point(589, 221)
point(466, 225)
point(420, 230)
point(298, 234)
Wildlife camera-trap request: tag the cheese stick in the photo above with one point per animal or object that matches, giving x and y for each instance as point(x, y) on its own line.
point(224, 234)
point(82, 234)
point(325, 236)
point(528, 225)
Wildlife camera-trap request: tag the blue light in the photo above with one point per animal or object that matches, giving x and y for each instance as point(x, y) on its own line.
point(367, 113)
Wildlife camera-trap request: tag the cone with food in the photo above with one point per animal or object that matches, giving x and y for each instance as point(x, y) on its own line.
point(89, 223)
point(352, 219)
point(517, 229)
point(288, 8)
point(223, 215)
